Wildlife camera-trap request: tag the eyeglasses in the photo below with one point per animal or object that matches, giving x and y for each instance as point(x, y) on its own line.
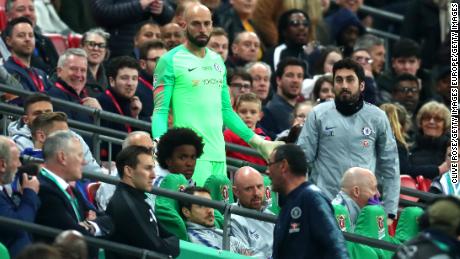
point(241, 85)
point(364, 60)
point(274, 162)
point(428, 117)
point(93, 44)
point(407, 90)
point(297, 23)
point(155, 59)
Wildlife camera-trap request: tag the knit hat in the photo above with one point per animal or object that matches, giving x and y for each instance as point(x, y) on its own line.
point(444, 215)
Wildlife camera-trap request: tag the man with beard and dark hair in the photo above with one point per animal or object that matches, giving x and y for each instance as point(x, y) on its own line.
point(190, 79)
point(350, 133)
point(289, 77)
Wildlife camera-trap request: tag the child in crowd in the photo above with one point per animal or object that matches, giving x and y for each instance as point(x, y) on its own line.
point(249, 108)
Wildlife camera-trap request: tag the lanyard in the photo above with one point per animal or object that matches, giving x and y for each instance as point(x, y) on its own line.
point(117, 106)
point(147, 83)
point(33, 75)
point(73, 200)
point(58, 85)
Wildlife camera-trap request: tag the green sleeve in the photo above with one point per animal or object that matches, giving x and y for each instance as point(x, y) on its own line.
point(167, 209)
point(231, 119)
point(163, 86)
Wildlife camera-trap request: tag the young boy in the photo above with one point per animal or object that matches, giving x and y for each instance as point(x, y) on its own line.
point(249, 108)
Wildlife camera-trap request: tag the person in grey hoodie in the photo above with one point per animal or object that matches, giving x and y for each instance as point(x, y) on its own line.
point(19, 130)
point(200, 224)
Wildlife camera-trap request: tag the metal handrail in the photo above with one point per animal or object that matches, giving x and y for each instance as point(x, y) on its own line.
point(381, 13)
point(92, 241)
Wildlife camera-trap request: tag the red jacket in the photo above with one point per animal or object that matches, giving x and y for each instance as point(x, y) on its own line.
point(231, 137)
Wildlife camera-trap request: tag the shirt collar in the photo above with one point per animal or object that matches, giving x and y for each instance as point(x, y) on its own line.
point(59, 181)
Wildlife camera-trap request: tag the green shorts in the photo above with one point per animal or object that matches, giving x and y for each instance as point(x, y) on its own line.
point(205, 168)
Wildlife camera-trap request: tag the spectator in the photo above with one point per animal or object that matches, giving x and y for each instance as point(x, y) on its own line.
point(245, 49)
point(71, 244)
point(440, 225)
point(20, 39)
point(76, 14)
point(306, 226)
point(294, 33)
point(363, 57)
point(94, 43)
point(358, 188)
point(105, 191)
point(239, 82)
point(366, 141)
point(445, 183)
point(149, 54)
point(442, 85)
point(19, 130)
point(323, 89)
point(120, 98)
point(406, 92)
point(44, 55)
point(298, 117)
point(405, 59)
point(260, 73)
point(62, 206)
point(289, 76)
point(200, 224)
point(236, 19)
point(40, 250)
point(326, 60)
point(71, 84)
point(172, 35)
point(345, 29)
point(249, 108)
point(25, 209)
point(123, 18)
point(399, 122)
point(131, 213)
point(376, 48)
point(219, 42)
point(149, 31)
point(433, 122)
point(249, 188)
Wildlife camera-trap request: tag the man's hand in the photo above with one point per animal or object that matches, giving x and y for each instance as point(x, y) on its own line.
point(31, 183)
point(135, 106)
point(264, 147)
point(91, 102)
point(156, 7)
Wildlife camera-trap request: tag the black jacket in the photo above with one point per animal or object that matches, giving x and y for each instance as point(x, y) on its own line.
point(45, 56)
point(429, 151)
point(135, 225)
point(122, 19)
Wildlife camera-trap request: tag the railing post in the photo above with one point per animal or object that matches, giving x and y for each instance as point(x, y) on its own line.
point(226, 227)
point(95, 138)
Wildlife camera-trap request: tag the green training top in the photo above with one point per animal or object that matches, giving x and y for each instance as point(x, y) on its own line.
point(196, 90)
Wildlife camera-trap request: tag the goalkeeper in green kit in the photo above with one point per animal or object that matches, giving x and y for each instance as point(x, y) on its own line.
point(191, 80)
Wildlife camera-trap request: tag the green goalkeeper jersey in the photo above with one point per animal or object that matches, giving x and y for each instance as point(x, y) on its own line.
point(196, 90)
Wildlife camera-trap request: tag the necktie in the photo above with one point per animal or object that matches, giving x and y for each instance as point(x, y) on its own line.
point(69, 191)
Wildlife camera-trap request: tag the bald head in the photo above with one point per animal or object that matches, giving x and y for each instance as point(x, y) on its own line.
point(198, 26)
point(138, 138)
point(195, 9)
point(360, 184)
point(249, 187)
point(72, 243)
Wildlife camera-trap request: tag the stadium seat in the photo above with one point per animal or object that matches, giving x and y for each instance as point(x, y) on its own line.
point(73, 40)
point(372, 223)
point(220, 188)
point(59, 42)
point(4, 254)
point(408, 182)
point(3, 18)
point(408, 223)
point(167, 209)
point(423, 184)
point(91, 190)
point(271, 197)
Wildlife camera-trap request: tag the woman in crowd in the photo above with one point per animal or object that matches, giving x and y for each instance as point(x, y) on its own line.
point(323, 89)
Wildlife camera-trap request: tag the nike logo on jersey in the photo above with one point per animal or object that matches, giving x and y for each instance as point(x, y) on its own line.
point(329, 128)
point(191, 69)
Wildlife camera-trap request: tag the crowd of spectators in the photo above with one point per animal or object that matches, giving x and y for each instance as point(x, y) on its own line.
point(363, 110)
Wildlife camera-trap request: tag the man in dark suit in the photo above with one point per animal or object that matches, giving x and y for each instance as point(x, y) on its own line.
point(62, 206)
point(24, 208)
point(131, 209)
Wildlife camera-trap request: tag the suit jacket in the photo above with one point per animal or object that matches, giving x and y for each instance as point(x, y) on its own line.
point(57, 211)
point(22, 75)
point(15, 240)
point(135, 224)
